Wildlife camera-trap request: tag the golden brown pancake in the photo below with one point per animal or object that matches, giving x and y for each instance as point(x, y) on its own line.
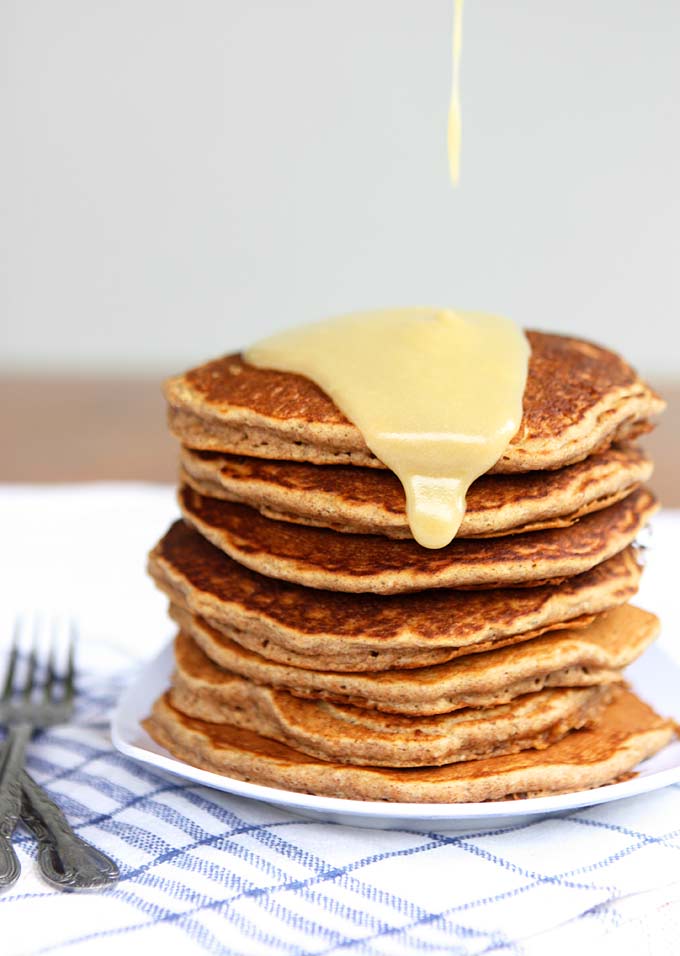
point(579, 398)
point(353, 735)
point(569, 658)
point(320, 558)
point(331, 630)
point(627, 732)
point(372, 501)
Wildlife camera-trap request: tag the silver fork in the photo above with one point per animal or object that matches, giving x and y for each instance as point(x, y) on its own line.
point(64, 858)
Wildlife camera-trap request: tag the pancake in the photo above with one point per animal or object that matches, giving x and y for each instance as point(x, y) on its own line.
point(570, 658)
point(321, 558)
point(325, 629)
point(627, 732)
point(371, 501)
point(579, 398)
point(353, 735)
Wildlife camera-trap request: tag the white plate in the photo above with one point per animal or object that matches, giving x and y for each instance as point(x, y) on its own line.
point(656, 677)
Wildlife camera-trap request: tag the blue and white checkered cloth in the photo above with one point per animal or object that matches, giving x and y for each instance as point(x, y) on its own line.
point(206, 872)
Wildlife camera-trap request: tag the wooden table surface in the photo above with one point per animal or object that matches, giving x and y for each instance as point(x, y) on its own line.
point(84, 430)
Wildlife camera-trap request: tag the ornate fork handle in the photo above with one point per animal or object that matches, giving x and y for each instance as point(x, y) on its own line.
point(10, 868)
point(11, 763)
point(65, 859)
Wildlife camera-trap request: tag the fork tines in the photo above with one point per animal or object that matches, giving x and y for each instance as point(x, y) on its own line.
point(20, 676)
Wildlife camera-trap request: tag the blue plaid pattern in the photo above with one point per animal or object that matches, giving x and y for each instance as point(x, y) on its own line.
point(206, 872)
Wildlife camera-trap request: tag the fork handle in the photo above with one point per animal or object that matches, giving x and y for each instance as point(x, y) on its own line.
point(65, 859)
point(11, 764)
point(10, 868)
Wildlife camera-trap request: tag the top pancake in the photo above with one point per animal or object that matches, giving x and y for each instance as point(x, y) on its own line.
point(372, 501)
point(579, 398)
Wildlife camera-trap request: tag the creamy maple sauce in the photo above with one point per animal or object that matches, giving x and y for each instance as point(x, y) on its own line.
point(454, 130)
point(436, 394)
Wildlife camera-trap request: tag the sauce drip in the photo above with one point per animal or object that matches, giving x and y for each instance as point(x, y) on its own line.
point(454, 131)
point(436, 394)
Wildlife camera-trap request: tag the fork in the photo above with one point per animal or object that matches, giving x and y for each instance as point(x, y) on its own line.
point(64, 858)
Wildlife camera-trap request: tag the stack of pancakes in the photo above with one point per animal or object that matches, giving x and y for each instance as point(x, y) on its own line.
point(321, 649)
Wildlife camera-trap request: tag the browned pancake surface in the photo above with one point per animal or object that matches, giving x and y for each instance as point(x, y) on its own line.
point(595, 654)
point(320, 558)
point(568, 658)
point(579, 397)
point(627, 732)
point(331, 629)
point(372, 501)
point(354, 735)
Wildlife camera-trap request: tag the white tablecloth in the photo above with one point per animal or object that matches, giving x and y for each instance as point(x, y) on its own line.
point(205, 872)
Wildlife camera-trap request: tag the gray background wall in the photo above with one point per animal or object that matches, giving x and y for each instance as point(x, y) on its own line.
point(178, 177)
